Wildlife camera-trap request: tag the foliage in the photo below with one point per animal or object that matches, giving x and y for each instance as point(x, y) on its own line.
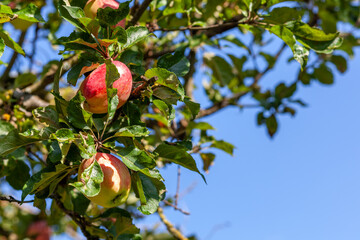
point(45, 134)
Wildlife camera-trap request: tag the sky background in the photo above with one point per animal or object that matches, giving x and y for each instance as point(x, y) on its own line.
point(302, 184)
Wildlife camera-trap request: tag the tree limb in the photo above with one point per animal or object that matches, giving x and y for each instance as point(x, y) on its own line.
point(169, 226)
point(78, 219)
point(139, 12)
point(49, 76)
point(12, 199)
point(235, 97)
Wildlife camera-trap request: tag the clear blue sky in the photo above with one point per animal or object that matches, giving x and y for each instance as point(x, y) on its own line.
point(303, 184)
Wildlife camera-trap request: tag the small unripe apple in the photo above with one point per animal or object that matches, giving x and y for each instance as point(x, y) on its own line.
point(92, 6)
point(93, 88)
point(39, 230)
point(116, 185)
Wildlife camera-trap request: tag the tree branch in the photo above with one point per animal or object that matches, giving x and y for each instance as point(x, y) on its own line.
point(78, 219)
point(12, 199)
point(234, 98)
point(175, 207)
point(139, 12)
point(169, 226)
point(189, 77)
point(49, 76)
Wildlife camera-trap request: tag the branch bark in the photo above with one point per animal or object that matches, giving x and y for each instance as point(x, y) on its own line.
point(78, 219)
point(170, 227)
point(49, 76)
point(11, 199)
point(139, 12)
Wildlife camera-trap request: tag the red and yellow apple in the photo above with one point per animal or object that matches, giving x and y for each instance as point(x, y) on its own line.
point(116, 185)
point(93, 88)
point(92, 7)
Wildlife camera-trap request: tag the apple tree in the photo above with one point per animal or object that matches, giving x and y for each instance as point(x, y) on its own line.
point(118, 91)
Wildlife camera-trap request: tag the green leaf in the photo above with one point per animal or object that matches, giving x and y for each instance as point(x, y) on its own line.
point(176, 63)
point(13, 140)
point(29, 185)
point(282, 15)
point(110, 17)
point(51, 178)
point(2, 46)
point(314, 38)
point(132, 131)
point(138, 160)
point(123, 224)
point(225, 146)
point(75, 12)
point(177, 155)
point(193, 107)
point(208, 159)
point(79, 201)
point(300, 53)
point(272, 125)
point(135, 35)
point(112, 73)
point(324, 74)
point(68, 16)
point(6, 14)
point(5, 128)
point(74, 73)
point(47, 115)
point(24, 79)
point(113, 102)
point(64, 135)
point(10, 42)
point(167, 79)
point(18, 175)
point(77, 116)
point(30, 13)
point(91, 180)
point(201, 126)
point(152, 189)
point(340, 63)
point(166, 94)
point(120, 34)
point(221, 69)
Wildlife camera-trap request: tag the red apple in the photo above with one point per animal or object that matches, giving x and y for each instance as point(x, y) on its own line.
point(39, 230)
point(93, 88)
point(116, 185)
point(92, 6)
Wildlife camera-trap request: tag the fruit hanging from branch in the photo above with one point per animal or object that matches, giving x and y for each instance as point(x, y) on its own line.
point(93, 88)
point(116, 184)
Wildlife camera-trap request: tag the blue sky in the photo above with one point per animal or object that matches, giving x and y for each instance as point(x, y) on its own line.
point(303, 184)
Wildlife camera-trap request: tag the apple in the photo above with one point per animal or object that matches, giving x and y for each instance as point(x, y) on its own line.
point(93, 88)
point(116, 185)
point(92, 6)
point(39, 230)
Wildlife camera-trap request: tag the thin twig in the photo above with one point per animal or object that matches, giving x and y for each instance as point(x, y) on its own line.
point(12, 199)
point(178, 186)
point(175, 207)
point(169, 226)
